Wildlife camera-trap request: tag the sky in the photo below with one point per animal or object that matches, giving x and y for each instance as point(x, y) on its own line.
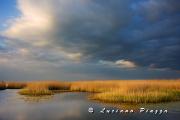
point(89, 39)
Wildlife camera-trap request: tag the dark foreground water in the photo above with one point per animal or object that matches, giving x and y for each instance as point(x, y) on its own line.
point(74, 106)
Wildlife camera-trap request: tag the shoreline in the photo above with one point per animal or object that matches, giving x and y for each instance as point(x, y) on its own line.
point(112, 91)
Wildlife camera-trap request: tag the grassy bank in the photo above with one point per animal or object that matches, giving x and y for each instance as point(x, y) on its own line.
point(12, 85)
point(15, 85)
point(40, 88)
point(131, 91)
point(2, 85)
point(123, 91)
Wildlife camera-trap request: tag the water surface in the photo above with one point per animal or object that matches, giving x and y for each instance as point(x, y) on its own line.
point(74, 106)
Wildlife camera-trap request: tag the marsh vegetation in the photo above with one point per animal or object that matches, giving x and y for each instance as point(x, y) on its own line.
point(123, 91)
point(2, 85)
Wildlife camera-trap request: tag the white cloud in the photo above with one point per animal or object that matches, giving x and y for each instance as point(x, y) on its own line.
point(74, 56)
point(119, 63)
point(30, 34)
point(125, 64)
point(34, 22)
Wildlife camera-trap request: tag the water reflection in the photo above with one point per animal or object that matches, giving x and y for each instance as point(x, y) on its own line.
point(71, 106)
point(36, 98)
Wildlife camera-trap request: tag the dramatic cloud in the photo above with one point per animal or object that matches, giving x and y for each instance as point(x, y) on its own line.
point(123, 34)
point(74, 30)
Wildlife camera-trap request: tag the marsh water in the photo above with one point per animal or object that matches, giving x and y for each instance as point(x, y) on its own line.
point(74, 106)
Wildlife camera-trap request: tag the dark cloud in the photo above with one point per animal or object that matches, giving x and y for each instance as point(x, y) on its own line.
point(154, 10)
point(144, 33)
point(123, 30)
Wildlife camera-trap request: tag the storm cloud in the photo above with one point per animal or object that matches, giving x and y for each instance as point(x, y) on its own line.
point(116, 31)
point(140, 34)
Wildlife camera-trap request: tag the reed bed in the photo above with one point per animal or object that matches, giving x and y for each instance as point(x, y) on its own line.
point(15, 85)
point(138, 97)
point(2, 85)
point(93, 86)
point(40, 88)
point(123, 91)
point(12, 85)
point(131, 91)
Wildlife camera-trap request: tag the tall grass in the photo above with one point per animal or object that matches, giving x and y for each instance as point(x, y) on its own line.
point(39, 88)
point(2, 85)
point(15, 85)
point(124, 91)
point(138, 97)
point(93, 86)
point(12, 85)
point(131, 91)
